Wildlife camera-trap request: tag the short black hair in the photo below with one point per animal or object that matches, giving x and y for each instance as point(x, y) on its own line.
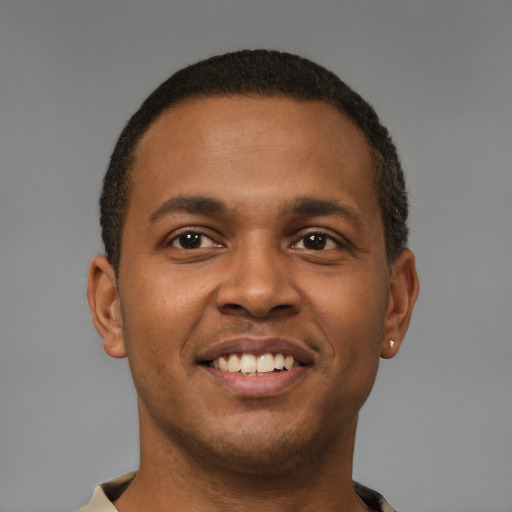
point(266, 73)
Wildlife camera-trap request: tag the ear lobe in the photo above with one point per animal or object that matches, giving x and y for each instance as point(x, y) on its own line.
point(403, 292)
point(104, 304)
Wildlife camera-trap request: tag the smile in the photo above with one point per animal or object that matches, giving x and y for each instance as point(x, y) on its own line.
point(252, 365)
point(256, 367)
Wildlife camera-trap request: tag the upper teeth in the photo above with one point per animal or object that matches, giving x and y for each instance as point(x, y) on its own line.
point(250, 364)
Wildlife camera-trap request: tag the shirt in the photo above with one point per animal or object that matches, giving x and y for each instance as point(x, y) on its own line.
point(106, 493)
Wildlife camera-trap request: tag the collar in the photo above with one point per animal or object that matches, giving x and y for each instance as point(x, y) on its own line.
point(105, 494)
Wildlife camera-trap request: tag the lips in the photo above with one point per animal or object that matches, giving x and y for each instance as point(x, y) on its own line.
point(278, 364)
point(257, 347)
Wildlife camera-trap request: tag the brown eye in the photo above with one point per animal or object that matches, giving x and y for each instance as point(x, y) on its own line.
point(316, 242)
point(192, 240)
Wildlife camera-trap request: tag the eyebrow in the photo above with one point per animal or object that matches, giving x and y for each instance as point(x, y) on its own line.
point(307, 206)
point(188, 204)
point(312, 206)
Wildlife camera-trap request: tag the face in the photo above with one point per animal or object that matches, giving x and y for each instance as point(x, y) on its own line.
point(252, 240)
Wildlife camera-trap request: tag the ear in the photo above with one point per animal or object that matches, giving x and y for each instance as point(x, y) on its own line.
point(103, 298)
point(403, 292)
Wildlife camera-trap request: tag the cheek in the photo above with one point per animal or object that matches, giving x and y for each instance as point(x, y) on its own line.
point(155, 329)
point(158, 319)
point(161, 303)
point(352, 304)
point(351, 314)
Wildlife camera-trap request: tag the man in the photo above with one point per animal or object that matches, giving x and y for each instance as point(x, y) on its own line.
point(254, 219)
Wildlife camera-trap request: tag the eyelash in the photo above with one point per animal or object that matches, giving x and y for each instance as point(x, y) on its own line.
point(326, 239)
point(191, 231)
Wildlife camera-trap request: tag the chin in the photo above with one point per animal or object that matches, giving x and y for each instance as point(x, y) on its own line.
point(254, 449)
point(260, 456)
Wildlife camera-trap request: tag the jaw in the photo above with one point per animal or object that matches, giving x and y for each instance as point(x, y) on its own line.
point(235, 473)
point(257, 436)
point(248, 455)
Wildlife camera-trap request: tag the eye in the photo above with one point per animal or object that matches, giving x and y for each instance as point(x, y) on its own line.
point(317, 242)
point(192, 240)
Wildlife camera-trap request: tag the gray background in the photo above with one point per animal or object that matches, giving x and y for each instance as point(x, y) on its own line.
point(436, 434)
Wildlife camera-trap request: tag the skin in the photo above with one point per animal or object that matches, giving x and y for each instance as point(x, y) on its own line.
point(208, 443)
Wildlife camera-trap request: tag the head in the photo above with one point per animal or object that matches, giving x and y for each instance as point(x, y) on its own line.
point(254, 209)
point(264, 73)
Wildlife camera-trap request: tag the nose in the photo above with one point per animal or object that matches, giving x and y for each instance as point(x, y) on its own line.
point(258, 283)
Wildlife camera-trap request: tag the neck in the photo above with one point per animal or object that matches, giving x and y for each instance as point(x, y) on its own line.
point(171, 478)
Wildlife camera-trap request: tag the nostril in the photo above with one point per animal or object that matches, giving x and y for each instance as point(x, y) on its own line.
point(257, 297)
point(234, 309)
point(240, 310)
point(282, 307)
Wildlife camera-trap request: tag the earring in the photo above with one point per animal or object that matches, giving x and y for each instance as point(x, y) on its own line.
point(391, 343)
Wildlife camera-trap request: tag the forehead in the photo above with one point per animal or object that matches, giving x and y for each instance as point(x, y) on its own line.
point(203, 117)
point(251, 143)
